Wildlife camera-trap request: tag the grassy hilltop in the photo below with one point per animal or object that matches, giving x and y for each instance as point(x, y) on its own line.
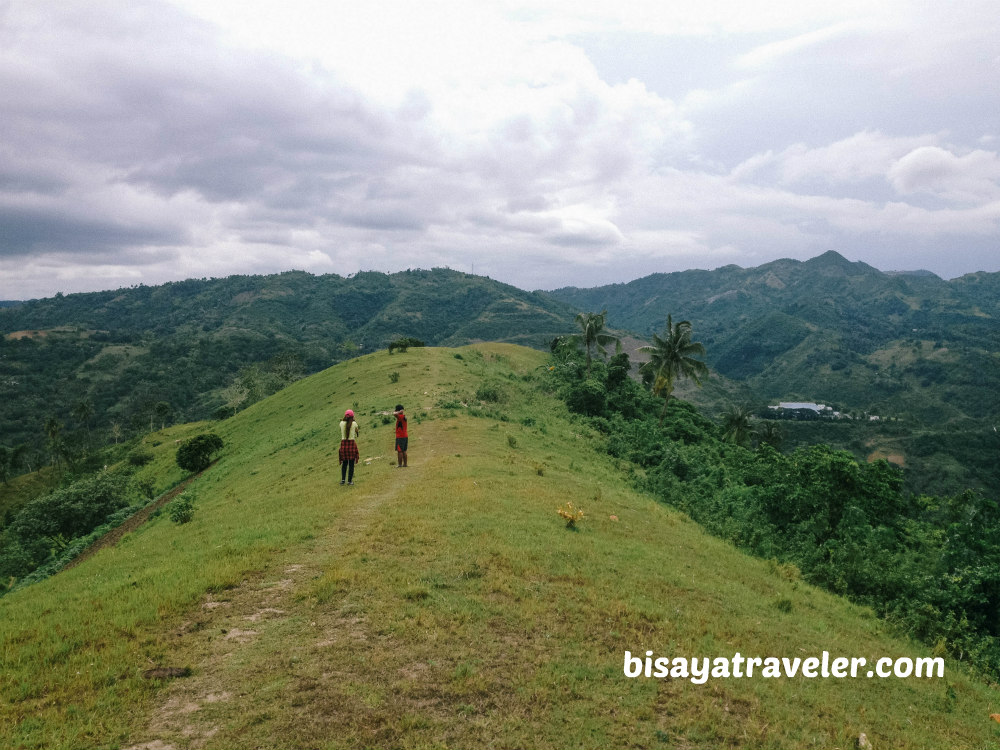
point(446, 604)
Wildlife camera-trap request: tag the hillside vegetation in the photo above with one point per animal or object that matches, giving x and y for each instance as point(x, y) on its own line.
point(107, 365)
point(446, 604)
point(908, 347)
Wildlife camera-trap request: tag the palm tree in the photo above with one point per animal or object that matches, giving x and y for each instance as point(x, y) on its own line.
point(736, 426)
point(770, 433)
point(592, 325)
point(83, 412)
point(53, 431)
point(673, 357)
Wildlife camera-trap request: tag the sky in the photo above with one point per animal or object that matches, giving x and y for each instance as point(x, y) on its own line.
point(543, 144)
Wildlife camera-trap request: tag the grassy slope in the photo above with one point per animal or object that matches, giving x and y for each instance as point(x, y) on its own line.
point(445, 604)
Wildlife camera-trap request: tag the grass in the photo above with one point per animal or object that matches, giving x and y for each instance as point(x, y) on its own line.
point(443, 605)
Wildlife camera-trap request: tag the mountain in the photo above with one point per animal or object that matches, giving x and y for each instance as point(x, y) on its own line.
point(915, 351)
point(913, 348)
point(443, 605)
point(147, 355)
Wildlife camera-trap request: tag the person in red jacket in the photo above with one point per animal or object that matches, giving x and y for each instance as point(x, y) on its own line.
point(402, 437)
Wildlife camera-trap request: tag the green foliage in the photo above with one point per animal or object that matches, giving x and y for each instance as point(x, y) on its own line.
point(403, 344)
point(931, 566)
point(587, 397)
point(139, 457)
point(491, 393)
point(672, 357)
point(592, 334)
point(195, 454)
point(44, 527)
point(182, 508)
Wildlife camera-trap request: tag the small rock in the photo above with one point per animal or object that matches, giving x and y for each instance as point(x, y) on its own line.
point(862, 742)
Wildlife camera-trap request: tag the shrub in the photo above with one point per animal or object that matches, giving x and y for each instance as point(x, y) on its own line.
point(182, 509)
point(45, 526)
point(139, 457)
point(490, 393)
point(587, 397)
point(404, 343)
point(196, 453)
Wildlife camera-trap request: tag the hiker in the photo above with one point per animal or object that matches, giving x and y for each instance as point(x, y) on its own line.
point(402, 437)
point(348, 447)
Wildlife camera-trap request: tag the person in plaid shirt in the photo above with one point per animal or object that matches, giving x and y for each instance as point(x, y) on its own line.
point(348, 447)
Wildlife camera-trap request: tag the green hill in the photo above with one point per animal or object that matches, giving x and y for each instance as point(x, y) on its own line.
point(444, 605)
point(151, 355)
point(897, 346)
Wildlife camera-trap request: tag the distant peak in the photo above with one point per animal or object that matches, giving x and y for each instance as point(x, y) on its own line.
point(830, 257)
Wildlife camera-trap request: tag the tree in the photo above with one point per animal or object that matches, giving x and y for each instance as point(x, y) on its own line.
point(6, 463)
point(163, 411)
point(591, 335)
point(736, 426)
point(83, 412)
point(770, 434)
point(235, 395)
point(402, 344)
point(673, 357)
point(195, 454)
point(53, 431)
point(287, 367)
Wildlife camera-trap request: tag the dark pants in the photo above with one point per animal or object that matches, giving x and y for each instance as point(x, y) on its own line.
point(347, 471)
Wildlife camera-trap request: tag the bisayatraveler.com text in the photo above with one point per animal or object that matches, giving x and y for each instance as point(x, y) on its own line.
point(701, 670)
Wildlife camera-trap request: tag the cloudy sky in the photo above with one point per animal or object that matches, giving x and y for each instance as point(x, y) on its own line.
point(544, 144)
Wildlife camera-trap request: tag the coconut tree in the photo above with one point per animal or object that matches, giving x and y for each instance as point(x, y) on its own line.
point(83, 412)
point(770, 433)
point(53, 431)
point(673, 357)
point(736, 426)
point(592, 334)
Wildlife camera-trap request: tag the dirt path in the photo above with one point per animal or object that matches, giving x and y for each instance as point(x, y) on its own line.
point(233, 627)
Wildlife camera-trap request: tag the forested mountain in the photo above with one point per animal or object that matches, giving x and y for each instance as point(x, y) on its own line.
point(910, 347)
point(147, 355)
point(920, 353)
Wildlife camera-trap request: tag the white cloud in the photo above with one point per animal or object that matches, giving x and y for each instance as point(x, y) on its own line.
point(973, 178)
point(212, 137)
point(863, 156)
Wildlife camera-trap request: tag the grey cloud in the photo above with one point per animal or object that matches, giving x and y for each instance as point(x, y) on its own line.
point(154, 100)
point(24, 231)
